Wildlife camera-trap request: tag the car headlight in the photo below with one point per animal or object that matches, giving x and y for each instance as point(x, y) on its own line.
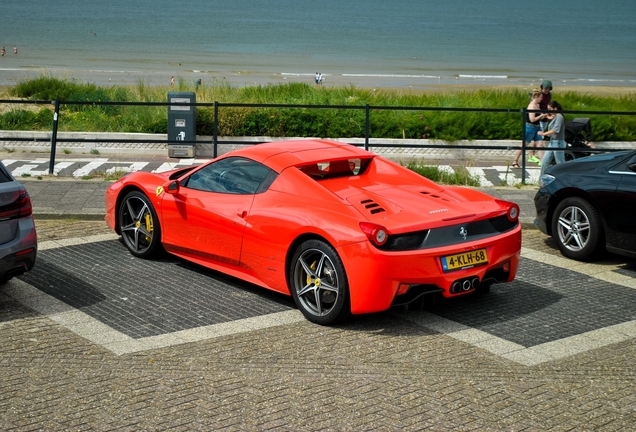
point(546, 179)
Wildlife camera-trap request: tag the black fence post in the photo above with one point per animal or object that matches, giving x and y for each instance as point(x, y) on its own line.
point(215, 136)
point(524, 116)
point(56, 115)
point(366, 128)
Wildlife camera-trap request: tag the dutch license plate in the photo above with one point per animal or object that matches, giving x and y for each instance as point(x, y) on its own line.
point(465, 260)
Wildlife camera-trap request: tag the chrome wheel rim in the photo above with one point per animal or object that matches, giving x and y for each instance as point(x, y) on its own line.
point(316, 282)
point(137, 225)
point(574, 229)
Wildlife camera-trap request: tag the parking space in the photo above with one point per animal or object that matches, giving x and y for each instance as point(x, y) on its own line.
point(97, 339)
point(143, 298)
point(167, 297)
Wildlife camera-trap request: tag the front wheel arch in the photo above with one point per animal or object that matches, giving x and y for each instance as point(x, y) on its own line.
point(120, 198)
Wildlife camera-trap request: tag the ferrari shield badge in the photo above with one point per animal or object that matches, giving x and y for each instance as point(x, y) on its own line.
point(159, 190)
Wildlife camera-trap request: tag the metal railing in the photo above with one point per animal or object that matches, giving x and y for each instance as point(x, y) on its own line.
point(522, 112)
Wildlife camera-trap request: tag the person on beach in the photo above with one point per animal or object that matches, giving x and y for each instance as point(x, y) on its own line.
point(320, 78)
point(546, 89)
point(2, 52)
point(532, 129)
point(15, 50)
point(317, 78)
point(172, 81)
point(556, 133)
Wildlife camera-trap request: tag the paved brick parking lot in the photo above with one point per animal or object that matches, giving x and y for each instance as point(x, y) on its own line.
point(193, 350)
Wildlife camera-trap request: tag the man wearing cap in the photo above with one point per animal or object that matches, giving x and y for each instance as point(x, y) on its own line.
point(546, 89)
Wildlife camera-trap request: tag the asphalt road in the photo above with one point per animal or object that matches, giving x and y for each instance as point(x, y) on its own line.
point(95, 339)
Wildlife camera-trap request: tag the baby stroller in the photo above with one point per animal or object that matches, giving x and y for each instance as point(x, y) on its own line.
point(578, 135)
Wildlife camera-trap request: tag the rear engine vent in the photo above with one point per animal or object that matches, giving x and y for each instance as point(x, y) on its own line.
point(435, 196)
point(372, 206)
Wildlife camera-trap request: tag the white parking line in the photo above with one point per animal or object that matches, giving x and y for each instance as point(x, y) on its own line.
point(532, 356)
point(119, 343)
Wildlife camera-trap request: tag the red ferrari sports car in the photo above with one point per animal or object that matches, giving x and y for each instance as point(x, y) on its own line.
point(342, 230)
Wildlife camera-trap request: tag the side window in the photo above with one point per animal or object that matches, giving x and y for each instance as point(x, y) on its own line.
point(4, 175)
point(234, 175)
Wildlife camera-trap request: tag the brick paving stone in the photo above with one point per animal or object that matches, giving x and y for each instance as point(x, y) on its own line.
point(378, 372)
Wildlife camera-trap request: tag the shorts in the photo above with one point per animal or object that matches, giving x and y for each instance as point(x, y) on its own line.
point(532, 133)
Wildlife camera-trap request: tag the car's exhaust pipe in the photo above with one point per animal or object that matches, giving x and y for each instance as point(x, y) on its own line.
point(463, 285)
point(474, 282)
point(455, 287)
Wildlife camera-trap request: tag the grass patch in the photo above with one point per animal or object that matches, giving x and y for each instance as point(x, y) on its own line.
point(459, 176)
point(302, 122)
point(115, 175)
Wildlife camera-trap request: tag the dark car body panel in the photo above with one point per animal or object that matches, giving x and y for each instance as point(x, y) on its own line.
point(18, 238)
point(608, 182)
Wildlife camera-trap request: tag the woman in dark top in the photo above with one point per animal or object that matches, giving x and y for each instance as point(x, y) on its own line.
point(532, 128)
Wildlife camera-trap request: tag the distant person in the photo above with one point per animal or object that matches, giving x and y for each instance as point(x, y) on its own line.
point(320, 78)
point(15, 50)
point(2, 51)
point(317, 78)
point(197, 83)
point(556, 133)
point(533, 139)
point(546, 89)
point(172, 81)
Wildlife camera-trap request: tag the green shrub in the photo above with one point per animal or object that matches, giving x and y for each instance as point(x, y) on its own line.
point(304, 122)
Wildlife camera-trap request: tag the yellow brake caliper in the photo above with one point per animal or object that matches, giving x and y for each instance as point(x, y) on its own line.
point(148, 226)
point(313, 267)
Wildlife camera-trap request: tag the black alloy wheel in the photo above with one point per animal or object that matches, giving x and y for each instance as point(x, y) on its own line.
point(139, 225)
point(319, 283)
point(578, 229)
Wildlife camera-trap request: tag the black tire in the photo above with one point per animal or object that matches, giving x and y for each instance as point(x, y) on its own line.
point(577, 229)
point(139, 225)
point(318, 282)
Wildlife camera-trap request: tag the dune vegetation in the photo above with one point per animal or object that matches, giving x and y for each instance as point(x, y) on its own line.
point(421, 115)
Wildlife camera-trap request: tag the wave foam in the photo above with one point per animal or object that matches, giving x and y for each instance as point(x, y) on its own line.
point(484, 76)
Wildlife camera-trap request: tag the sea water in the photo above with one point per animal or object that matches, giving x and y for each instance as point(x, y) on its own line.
point(400, 41)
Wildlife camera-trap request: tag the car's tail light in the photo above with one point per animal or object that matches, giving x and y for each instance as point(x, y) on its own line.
point(24, 252)
point(513, 210)
point(374, 232)
point(21, 207)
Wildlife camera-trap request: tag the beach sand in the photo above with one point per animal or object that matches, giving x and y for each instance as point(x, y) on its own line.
point(391, 83)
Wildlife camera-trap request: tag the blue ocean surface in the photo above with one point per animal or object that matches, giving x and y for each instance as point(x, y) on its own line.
point(402, 41)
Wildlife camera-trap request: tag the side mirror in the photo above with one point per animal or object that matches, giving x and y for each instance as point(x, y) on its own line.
point(632, 164)
point(171, 187)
